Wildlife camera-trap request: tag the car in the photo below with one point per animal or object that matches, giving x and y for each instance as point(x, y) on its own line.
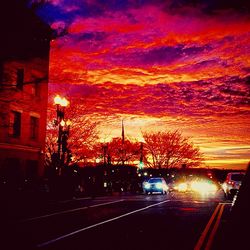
point(155, 185)
point(237, 234)
point(196, 184)
point(232, 184)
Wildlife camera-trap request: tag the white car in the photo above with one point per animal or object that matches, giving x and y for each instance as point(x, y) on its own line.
point(155, 185)
point(232, 183)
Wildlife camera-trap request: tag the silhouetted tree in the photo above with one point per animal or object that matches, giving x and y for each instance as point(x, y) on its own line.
point(83, 134)
point(116, 152)
point(170, 149)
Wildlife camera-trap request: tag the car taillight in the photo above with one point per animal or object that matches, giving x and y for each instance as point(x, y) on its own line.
point(231, 183)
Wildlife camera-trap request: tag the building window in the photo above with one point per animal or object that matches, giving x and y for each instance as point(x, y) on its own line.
point(15, 124)
point(34, 122)
point(35, 89)
point(20, 79)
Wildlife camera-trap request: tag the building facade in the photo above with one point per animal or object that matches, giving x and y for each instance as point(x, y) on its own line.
point(24, 67)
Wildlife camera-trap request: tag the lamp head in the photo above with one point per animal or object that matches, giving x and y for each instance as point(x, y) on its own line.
point(57, 100)
point(62, 123)
point(68, 122)
point(64, 102)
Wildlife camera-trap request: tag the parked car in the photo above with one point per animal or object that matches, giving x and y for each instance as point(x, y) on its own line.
point(155, 185)
point(237, 229)
point(232, 183)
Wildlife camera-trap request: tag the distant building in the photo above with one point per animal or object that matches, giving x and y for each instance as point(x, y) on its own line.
point(24, 66)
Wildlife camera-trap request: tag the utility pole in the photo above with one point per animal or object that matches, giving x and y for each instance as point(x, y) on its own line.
point(105, 149)
point(141, 156)
point(123, 141)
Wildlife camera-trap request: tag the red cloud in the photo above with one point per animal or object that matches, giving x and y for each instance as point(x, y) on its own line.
point(182, 70)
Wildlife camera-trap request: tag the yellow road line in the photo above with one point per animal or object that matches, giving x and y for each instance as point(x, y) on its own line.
point(204, 233)
point(215, 228)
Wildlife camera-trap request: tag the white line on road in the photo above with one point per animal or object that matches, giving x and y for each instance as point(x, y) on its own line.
point(98, 224)
point(70, 211)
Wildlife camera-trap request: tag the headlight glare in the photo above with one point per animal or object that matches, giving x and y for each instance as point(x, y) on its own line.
point(203, 187)
point(182, 187)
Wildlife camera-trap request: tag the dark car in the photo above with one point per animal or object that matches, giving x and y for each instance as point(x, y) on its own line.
point(237, 228)
point(155, 185)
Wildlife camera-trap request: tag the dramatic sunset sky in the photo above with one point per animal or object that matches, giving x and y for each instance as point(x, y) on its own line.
point(158, 65)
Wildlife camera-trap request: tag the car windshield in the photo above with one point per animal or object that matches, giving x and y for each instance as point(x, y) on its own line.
point(237, 177)
point(154, 180)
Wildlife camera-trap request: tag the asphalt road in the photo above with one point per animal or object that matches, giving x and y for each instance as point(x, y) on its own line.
point(173, 221)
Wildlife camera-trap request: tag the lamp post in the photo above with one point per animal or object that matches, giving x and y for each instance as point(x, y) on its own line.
point(141, 157)
point(64, 139)
point(105, 149)
point(63, 130)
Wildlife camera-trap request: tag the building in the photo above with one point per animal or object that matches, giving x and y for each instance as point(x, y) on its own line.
point(24, 67)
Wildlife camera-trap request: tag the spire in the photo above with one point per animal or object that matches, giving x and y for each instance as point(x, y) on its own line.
point(123, 139)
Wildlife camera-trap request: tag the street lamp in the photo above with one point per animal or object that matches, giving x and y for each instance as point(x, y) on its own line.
point(60, 103)
point(63, 129)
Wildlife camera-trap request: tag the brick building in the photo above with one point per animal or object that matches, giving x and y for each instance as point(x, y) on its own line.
point(24, 66)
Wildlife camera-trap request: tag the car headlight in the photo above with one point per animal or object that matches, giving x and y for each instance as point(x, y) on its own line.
point(147, 185)
point(158, 185)
point(203, 187)
point(182, 187)
point(213, 188)
point(224, 186)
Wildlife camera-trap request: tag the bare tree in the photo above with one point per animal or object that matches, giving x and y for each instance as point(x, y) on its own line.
point(118, 152)
point(170, 149)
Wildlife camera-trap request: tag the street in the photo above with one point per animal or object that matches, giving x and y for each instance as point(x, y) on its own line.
point(124, 125)
point(172, 221)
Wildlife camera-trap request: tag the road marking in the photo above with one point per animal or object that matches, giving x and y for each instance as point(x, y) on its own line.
point(216, 215)
point(199, 202)
point(215, 228)
point(204, 233)
point(69, 211)
point(191, 201)
point(98, 224)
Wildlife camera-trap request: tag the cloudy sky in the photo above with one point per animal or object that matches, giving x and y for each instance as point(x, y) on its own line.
point(159, 65)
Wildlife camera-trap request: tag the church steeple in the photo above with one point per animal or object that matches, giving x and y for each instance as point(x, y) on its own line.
point(123, 136)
